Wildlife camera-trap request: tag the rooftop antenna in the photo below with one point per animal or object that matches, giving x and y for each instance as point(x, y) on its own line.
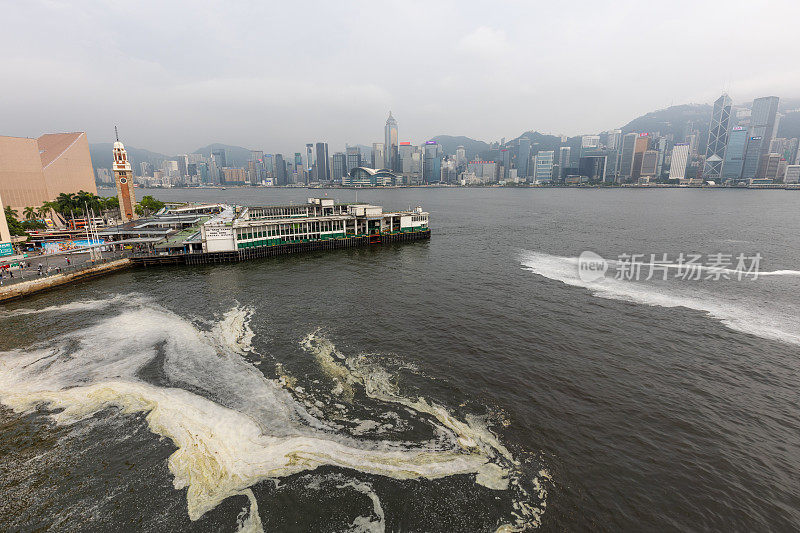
point(116, 133)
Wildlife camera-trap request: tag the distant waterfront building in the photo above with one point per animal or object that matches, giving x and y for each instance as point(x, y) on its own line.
point(626, 162)
point(339, 165)
point(613, 139)
point(123, 177)
point(432, 162)
point(680, 157)
point(543, 166)
point(773, 167)
point(563, 157)
point(219, 157)
point(505, 155)
point(524, 157)
point(792, 174)
point(104, 175)
point(461, 157)
point(353, 154)
point(482, 171)
point(391, 143)
point(323, 173)
point(640, 147)
point(717, 138)
point(34, 171)
point(593, 167)
point(649, 163)
point(763, 128)
point(280, 170)
point(590, 141)
point(309, 157)
point(734, 154)
point(378, 155)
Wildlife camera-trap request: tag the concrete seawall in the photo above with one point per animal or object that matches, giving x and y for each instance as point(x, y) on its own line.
point(26, 288)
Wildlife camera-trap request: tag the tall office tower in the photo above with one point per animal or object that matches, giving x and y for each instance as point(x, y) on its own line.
point(280, 170)
point(626, 162)
point(649, 163)
point(763, 127)
point(717, 138)
point(680, 157)
point(589, 143)
point(353, 157)
point(661, 145)
point(613, 139)
point(431, 162)
point(339, 165)
point(391, 144)
point(461, 157)
point(505, 154)
point(524, 157)
point(773, 166)
point(543, 165)
point(323, 172)
point(734, 154)
point(219, 156)
point(123, 176)
point(593, 167)
point(378, 156)
point(640, 147)
point(563, 158)
point(309, 157)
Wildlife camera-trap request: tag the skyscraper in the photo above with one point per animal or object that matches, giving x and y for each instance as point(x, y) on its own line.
point(717, 138)
point(323, 172)
point(378, 155)
point(563, 157)
point(523, 157)
point(640, 147)
point(680, 156)
point(353, 158)
point(763, 128)
point(626, 163)
point(219, 157)
point(543, 166)
point(280, 170)
point(339, 165)
point(431, 162)
point(391, 143)
point(309, 158)
point(123, 176)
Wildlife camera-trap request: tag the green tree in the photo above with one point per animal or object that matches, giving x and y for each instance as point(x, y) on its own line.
point(30, 213)
point(14, 226)
point(148, 205)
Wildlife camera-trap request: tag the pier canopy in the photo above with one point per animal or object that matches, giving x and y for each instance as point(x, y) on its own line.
point(371, 177)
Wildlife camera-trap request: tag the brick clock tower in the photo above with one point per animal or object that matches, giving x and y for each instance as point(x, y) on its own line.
point(123, 176)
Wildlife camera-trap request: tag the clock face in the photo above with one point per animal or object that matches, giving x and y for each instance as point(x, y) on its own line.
point(123, 180)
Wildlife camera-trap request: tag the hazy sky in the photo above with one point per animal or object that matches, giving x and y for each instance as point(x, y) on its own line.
point(274, 75)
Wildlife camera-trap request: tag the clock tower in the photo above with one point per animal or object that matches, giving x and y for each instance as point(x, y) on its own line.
point(123, 176)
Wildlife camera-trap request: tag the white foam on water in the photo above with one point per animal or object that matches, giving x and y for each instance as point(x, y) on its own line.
point(72, 307)
point(499, 471)
point(759, 318)
point(236, 427)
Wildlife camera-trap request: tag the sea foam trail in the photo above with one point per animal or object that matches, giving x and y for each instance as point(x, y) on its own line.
point(757, 318)
point(236, 427)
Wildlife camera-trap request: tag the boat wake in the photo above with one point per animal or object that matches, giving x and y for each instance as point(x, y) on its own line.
point(750, 315)
point(234, 427)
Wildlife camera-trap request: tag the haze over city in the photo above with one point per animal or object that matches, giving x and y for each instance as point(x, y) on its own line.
point(179, 76)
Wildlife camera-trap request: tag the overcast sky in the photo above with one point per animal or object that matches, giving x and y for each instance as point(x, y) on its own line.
point(274, 75)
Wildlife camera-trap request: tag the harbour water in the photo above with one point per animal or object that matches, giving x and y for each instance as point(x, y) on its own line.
point(473, 382)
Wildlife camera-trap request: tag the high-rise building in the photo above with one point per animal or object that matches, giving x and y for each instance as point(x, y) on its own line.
point(680, 157)
point(280, 170)
point(432, 162)
point(649, 163)
point(391, 144)
point(717, 138)
point(219, 156)
point(640, 147)
point(773, 167)
point(353, 158)
point(563, 157)
point(309, 157)
point(505, 155)
point(378, 155)
point(763, 128)
point(123, 177)
point(734, 154)
point(662, 154)
point(626, 162)
point(323, 173)
point(524, 157)
point(593, 167)
point(792, 174)
point(461, 157)
point(543, 166)
point(339, 165)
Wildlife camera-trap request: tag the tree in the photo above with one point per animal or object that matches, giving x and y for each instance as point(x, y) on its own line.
point(14, 227)
point(148, 205)
point(30, 213)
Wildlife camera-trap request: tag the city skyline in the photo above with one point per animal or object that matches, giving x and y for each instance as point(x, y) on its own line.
point(199, 74)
